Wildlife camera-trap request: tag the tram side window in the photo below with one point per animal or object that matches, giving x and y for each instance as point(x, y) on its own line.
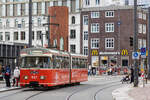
point(75, 63)
point(82, 63)
point(65, 62)
point(56, 62)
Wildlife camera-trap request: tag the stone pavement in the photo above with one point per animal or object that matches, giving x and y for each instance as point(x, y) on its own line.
point(128, 92)
point(3, 87)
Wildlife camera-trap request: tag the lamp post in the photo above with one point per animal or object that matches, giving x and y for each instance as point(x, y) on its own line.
point(148, 43)
point(30, 23)
point(135, 45)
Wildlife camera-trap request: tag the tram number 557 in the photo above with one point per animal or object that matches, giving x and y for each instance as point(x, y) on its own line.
point(33, 77)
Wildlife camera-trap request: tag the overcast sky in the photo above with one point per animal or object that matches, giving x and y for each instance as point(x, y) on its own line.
point(140, 1)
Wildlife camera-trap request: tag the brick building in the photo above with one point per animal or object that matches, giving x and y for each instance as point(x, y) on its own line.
point(59, 33)
point(109, 31)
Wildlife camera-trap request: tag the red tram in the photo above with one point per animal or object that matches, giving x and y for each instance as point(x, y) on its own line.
point(42, 67)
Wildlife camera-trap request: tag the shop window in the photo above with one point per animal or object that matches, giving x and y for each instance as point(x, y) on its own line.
point(124, 62)
point(104, 62)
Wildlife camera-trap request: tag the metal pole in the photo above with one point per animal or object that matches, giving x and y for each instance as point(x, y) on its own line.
point(135, 45)
point(30, 23)
point(48, 35)
point(148, 43)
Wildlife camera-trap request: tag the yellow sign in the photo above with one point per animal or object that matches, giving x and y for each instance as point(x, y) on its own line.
point(104, 57)
point(146, 52)
point(124, 52)
point(94, 52)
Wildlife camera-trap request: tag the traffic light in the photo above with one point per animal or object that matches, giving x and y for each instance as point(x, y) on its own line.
point(131, 41)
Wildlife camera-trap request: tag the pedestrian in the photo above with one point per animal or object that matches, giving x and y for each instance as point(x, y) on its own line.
point(132, 75)
point(16, 76)
point(3, 72)
point(7, 75)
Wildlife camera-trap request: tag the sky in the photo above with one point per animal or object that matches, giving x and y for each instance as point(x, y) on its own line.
point(147, 2)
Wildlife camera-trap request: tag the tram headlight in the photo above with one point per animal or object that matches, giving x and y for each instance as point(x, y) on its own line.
point(25, 77)
point(42, 77)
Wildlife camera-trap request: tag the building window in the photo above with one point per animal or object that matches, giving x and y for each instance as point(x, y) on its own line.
point(97, 2)
point(85, 51)
point(39, 22)
point(32, 35)
point(85, 35)
point(64, 3)
point(16, 23)
point(55, 42)
point(109, 14)
point(23, 7)
point(73, 19)
point(95, 14)
point(33, 22)
point(124, 62)
point(144, 43)
point(23, 36)
point(7, 23)
point(139, 43)
point(144, 16)
point(85, 20)
point(144, 29)
point(23, 23)
point(1, 24)
point(140, 15)
point(7, 36)
point(39, 8)
point(94, 43)
point(1, 36)
point(15, 35)
point(126, 2)
point(55, 3)
point(39, 33)
point(61, 43)
point(87, 2)
point(73, 48)
point(73, 34)
point(140, 28)
point(109, 43)
point(109, 27)
point(95, 28)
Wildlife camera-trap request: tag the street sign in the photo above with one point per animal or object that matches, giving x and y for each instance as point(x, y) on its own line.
point(143, 52)
point(135, 55)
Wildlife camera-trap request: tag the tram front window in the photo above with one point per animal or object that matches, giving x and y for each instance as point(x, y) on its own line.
point(35, 62)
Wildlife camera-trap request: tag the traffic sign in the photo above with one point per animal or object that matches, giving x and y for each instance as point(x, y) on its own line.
point(135, 55)
point(143, 52)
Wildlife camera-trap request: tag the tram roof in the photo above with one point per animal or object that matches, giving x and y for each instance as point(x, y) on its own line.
point(53, 51)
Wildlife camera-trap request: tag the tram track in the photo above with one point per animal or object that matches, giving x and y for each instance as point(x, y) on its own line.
point(69, 96)
point(100, 90)
point(83, 89)
point(18, 92)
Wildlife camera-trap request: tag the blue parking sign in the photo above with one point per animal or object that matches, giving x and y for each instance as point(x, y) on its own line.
point(143, 51)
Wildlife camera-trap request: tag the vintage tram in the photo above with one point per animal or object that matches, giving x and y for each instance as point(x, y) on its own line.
point(43, 67)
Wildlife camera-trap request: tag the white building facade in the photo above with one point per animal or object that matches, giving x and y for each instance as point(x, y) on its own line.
point(14, 21)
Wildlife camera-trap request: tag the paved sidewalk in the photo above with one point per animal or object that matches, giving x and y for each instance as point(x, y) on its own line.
point(128, 92)
point(3, 87)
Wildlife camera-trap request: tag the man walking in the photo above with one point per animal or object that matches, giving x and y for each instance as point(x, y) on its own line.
point(132, 75)
point(7, 75)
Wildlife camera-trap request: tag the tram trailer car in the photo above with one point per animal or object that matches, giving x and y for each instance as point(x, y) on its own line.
point(42, 67)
